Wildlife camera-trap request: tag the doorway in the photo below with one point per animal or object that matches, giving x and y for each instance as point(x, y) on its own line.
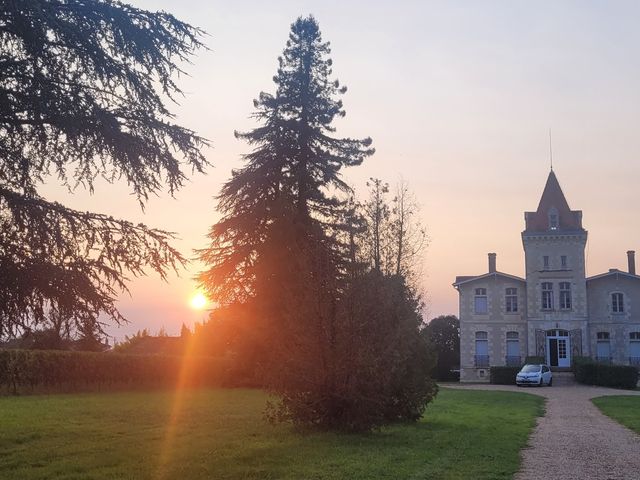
point(558, 348)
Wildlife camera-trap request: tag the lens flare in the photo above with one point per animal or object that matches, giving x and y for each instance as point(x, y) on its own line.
point(198, 301)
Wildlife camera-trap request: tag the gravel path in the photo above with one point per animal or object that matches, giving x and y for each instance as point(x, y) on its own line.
point(573, 440)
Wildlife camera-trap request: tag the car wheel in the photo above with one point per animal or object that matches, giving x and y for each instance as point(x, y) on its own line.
point(541, 384)
point(551, 381)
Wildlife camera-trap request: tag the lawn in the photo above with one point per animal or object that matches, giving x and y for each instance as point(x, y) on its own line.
point(623, 409)
point(220, 434)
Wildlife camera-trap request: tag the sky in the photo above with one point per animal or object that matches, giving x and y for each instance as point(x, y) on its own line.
point(458, 97)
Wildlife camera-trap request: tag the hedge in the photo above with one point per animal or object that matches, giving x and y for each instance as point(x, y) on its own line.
point(503, 375)
point(616, 376)
point(25, 371)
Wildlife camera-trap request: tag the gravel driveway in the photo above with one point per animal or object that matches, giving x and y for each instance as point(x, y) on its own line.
point(573, 440)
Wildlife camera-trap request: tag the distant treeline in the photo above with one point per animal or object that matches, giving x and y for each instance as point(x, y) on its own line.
point(40, 371)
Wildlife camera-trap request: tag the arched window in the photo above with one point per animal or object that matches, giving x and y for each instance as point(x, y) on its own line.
point(603, 347)
point(554, 219)
point(482, 349)
point(513, 349)
point(634, 348)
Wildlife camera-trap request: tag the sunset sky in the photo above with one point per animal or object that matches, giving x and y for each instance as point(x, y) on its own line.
point(458, 98)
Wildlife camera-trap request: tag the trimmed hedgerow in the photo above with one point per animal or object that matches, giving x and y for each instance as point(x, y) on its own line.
point(503, 375)
point(616, 376)
point(25, 371)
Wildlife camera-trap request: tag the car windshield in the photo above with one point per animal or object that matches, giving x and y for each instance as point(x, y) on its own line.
point(530, 368)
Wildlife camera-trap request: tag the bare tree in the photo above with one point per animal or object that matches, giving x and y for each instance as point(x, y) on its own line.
point(376, 212)
point(409, 236)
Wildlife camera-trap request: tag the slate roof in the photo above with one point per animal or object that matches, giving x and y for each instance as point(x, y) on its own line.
point(552, 196)
point(466, 279)
point(613, 271)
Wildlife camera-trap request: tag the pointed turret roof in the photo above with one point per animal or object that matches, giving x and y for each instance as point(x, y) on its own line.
point(553, 211)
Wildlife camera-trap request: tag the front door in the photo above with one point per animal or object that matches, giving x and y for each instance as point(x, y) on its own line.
point(558, 351)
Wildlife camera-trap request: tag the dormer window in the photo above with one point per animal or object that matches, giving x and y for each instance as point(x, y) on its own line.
point(554, 221)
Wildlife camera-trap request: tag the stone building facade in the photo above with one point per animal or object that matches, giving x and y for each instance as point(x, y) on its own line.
point(555, 312)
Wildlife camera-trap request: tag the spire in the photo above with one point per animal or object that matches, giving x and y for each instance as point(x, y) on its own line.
point(553, 212)
point(552, 195)
point(550, 151)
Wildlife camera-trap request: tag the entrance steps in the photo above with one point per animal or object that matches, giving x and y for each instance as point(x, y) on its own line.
point(561, 369)
point(562, 379)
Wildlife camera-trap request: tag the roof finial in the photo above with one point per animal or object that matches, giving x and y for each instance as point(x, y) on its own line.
point(550, 151)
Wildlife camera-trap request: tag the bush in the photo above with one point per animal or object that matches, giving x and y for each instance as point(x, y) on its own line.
point(378, 368)
point(535, 360)
point(26, 371)
point(616, 376)
point(579, 361)
point(503, 375)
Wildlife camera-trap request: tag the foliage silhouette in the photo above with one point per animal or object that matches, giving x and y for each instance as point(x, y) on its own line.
point(83, 94)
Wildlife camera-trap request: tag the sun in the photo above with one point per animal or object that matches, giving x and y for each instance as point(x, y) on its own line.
point(198, 301)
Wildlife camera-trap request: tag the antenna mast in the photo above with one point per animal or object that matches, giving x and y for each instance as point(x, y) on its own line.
point(550, 151)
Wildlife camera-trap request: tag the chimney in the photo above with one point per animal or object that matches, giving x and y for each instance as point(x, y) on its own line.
point(631, 257)
point(492, 263)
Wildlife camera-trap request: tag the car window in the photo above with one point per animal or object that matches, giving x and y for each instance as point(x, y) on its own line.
point(531, 368)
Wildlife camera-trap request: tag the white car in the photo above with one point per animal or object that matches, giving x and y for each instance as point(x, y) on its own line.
point(534, 375)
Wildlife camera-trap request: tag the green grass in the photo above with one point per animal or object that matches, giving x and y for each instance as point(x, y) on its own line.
point(623, 409)
point(221, 434)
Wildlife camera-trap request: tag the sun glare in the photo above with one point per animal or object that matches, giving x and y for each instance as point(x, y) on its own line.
point(198, 301)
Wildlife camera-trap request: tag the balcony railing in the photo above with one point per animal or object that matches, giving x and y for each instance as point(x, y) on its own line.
point(482, 361)
point(603, 359)
point(513, 360)
point(634, 361)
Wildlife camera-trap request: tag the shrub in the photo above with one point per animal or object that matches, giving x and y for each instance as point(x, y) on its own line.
point(378, 368)
point(579, 361)
point(535, 360)
point(23, 371)
point(616, 376)
point(503, 375)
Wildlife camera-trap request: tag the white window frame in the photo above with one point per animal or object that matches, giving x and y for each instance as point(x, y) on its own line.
point(513, 340)
point(511, 300)
point(617, 302)
point(547, 296)
point(480, 294)
point(566, 302)
point(482, 338)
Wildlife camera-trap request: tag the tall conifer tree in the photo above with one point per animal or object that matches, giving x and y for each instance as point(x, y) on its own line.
point(293, 170)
